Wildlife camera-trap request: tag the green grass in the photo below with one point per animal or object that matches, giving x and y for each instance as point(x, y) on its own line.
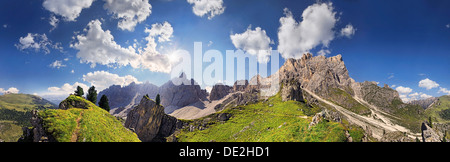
point(259, 122)
point(23, 102)
point(94, 124)
point(440, 112)
point(350, 103)
point(15, 113)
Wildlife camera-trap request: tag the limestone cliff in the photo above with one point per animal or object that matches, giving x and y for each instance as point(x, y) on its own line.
point(150, 122)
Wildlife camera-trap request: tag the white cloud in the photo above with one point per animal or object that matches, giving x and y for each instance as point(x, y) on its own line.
point(425, 96)
point(151, 58)
point(10, 90)
point(98, 47)
point(129, 12)
point(296, 38)
point(393, 86)
point(255, 42)
point(73, 71)
point(5, 26)
point(403, 90)
point(69, 9)
point(64, 90)
point(417, 96)
point(448, 25)
point(348, 31)
point(428, 84)
point(207, 7)
point(102, 79)
point(444, 90)
point(53, 21)
point(323, 52)
point(57, 64)
point(37, 42)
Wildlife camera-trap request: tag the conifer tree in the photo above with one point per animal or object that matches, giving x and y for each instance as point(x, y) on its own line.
point(92, 95)
point(104, 103)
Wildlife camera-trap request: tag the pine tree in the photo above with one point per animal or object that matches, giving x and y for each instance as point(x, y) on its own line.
point(158, 99)
point(430, 121)
point(104, 103)
point(92, 95)
point(79, 91)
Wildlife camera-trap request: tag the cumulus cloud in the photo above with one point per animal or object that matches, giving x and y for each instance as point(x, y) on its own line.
point(296, 38)
point(348, 31)
point(64, 90)
point(129, 12)
point(98, 47)
point(37, 42)
point(151, 58)
point(102, 79)
point(428, 84)
point(210, 8)
point(418, 96)
point(255, 42)
point(403, 90)
point(444, 90)
point(57, 64)
point(69, 9)
point(10, 90)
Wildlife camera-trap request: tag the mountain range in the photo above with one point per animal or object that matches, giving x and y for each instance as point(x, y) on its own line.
point(327, 91)
point(314, 99)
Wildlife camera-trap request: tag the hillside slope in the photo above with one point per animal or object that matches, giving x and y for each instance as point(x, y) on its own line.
point(77, 120)
point(271, 120)
point(15, 113)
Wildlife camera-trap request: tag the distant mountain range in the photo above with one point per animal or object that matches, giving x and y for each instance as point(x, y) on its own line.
point(173, 97)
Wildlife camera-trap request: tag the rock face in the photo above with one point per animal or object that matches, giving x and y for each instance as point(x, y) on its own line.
point(424, 103)
point(291, 91)
point(219, 91)
point(149, 121)
point(428, 134)
point(122, 96)
point(173, 97)
point(317, 74)
point(382, 97)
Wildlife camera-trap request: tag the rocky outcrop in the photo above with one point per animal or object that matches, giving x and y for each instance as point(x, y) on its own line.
point(219, 91)
point(36, 133)
point(428, 134)
point(318, 74)
point(291, 90)
point(382, 97)
point(149, 121)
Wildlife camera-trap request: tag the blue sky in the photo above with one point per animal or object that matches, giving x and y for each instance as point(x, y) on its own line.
point(397, 43)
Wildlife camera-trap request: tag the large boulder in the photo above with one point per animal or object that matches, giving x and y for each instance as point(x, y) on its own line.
point(149, 121)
